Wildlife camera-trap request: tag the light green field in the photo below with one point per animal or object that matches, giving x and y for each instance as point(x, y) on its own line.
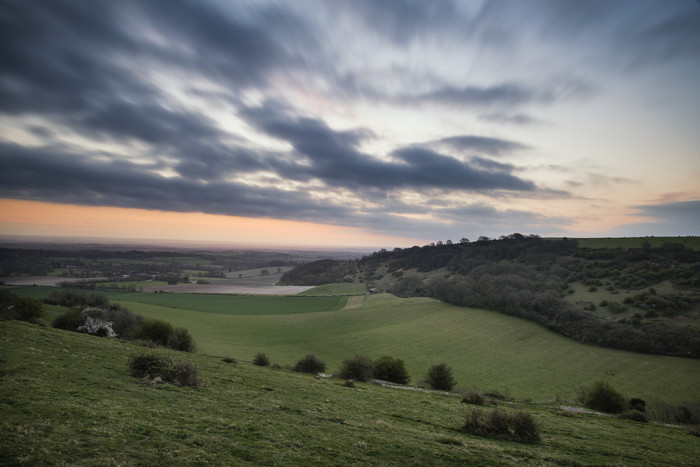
point(486, 350)
point(67, 399)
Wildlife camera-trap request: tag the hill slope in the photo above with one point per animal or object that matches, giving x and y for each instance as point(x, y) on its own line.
point(652, 293)
point(66, 398)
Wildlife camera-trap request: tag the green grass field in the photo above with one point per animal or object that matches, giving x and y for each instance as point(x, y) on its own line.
point(487, 350)
point(67, 399)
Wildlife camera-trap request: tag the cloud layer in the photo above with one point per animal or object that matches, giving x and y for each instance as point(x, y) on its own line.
point(261, 110)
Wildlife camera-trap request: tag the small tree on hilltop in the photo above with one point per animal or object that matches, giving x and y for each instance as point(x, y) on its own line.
point(440, 377)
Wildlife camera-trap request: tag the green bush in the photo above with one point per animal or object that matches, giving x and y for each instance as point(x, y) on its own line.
point(474, 398)
point(157, 365)
point(184, 374)
point(525, 428)
point(520, 426)
point(150, 364)
point(603, 397)
point(27, 309)
point(181, 340)
point(71, 320)
point(261, 359)
point(310, 364)
point(155, 330)
point(440, 377)
point(359, 368)
point(391, 369)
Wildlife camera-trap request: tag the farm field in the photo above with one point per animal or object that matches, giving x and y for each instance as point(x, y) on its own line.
point(67, 399)
point(487, 351)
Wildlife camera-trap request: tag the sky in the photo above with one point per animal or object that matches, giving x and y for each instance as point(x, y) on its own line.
point(356, 123)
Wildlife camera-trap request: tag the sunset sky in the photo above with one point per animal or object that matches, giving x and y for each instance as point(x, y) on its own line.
point(359, 123)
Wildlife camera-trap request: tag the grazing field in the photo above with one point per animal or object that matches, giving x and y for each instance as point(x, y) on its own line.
point(487, 350)
point(67, 399)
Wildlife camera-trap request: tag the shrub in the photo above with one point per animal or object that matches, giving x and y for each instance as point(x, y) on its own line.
point(27, 309)
point(156, 365)
point(310, 364)
point(391, 369)
point(440, 377)
point(154, 330)
point(358, 368)
point(184, 374)
point(261, 359)
point(124, 322)
point(638, 404)
point(603, 397)
point(525, 428)
point(520, 426)
point(71, 320)
point(474, 398)
point(229, 360)
point(149, 364)
point(181, 340)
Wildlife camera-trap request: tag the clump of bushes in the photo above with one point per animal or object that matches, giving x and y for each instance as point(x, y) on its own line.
point(474, 398)
point(153, 365)
point(310, 364)
point(520, 426)
point(440, 377)
point(261, 359)
point(358, 368)
point(20, 308)
point(604, 398)
point(163, 333)
point(390, 369)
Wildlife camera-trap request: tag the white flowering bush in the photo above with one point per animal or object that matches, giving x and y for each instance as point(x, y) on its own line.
point(95, 325)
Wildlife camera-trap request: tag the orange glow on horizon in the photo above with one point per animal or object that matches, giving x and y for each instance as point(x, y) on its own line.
point(64, 220)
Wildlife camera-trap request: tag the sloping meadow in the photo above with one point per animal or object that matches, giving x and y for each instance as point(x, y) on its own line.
point(68, 398)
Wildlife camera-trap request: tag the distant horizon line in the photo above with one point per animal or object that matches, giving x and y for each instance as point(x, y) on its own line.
point(221, 245)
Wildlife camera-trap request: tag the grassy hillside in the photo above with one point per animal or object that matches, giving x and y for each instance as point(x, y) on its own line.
point(67, 398)
point(487, 350)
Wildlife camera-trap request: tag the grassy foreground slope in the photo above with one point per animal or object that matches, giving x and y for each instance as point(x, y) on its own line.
point(66, 399)
point(487, 350)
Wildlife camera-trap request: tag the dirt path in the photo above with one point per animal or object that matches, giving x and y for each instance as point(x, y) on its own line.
point(354, 302)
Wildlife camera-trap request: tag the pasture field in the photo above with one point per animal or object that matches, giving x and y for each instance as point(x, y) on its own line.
point(636, 242)
point(67, 399)
point(487, 351)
